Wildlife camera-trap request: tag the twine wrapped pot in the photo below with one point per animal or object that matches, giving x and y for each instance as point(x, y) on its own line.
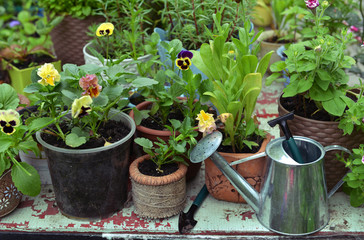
point(327, 133)
point(253, 171)
point(70, 36)
point(158, 197)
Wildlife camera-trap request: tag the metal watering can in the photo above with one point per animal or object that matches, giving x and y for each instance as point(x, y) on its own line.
point(293, 199)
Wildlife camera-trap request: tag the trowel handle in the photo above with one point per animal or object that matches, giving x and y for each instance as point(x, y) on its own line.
point(262, 154)
point(338, 185)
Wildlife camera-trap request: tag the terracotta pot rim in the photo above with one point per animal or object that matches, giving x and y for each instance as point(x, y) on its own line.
point(300, 118)
point(141, 178)
point(266, 140)
point(140, 128)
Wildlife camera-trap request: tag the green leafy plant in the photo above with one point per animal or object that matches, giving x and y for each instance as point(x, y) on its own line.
point(16, 136)
point(27, 36)
point(171, 84)
point(236, 74)
point(176, 149)
point(354, 184)
point(77, 9)
point(130, 38)
point(191, 22)
point(316, 68)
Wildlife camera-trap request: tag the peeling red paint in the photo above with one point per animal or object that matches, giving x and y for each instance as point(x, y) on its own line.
point(15, 225)
point(268, 97)
point(26, 203)
point(261, 113)
point(247, 215)
point(51, 210)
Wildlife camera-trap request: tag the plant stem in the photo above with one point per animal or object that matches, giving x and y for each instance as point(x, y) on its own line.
point(194, 16)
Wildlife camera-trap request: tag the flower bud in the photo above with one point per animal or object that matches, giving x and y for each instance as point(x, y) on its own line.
point(318, 48)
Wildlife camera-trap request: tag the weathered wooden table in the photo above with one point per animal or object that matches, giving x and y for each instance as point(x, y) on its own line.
point(39, 217)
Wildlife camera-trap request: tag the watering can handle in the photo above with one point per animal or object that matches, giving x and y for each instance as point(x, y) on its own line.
point(262, 154)
point(338, 185)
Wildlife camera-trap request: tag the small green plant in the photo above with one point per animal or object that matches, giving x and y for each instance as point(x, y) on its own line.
point(130, 38)
point(27, 34)
point(191, 22)
point(77, 9)
point(176, 149)
point(354, 183)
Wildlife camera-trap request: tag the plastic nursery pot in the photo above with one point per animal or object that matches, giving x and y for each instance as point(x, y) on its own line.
point(158, 197)
point(128, 63)
point(91, 184)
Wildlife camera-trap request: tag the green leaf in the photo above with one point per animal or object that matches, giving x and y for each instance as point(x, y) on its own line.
point(264, 63)
point(40, 123)
point(32, 88)
point(8, 97)
point(101, 101)
point(29, 146)
point(143, 82)
point(139, 115)
point(5, 143)
point(73, 140)
point(144, 142)
point(26, 182)
point(356, 197)
point(335, 106)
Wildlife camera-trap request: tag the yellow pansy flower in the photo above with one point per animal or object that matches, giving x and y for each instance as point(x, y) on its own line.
point(81, 106)
point(9, 120)
point(105, 29)
point(49, 74)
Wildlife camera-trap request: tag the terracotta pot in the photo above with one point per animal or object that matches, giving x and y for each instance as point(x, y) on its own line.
point(10, 197)
point(326, 133)
point(153, 135)
point(221, 188)
point(158, 197)
point(266, 46)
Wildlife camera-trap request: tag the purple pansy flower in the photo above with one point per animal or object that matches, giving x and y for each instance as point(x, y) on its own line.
point(183, 60)
point(312, 4)
point(14, 23)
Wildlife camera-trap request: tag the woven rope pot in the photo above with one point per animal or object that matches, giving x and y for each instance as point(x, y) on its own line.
point(153, 135)
point(70, 36)
point(158, 197)
point(253, 171)
point(326, 133)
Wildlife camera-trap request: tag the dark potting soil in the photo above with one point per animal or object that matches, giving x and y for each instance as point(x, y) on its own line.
point(33, 60)
point(112, 131)
point(155, 122)
point(274, 39)
point(246, 149)
point(310, 110)
point(148, 167)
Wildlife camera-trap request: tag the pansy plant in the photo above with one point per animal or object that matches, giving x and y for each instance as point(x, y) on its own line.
point(16, 136)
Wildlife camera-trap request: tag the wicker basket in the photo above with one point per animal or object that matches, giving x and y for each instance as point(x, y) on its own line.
point(70, 36)
point(327, 133)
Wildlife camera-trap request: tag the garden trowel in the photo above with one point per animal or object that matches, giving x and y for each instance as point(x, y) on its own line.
point(186, 221)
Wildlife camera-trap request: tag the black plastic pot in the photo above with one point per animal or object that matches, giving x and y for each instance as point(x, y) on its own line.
point(91, 184)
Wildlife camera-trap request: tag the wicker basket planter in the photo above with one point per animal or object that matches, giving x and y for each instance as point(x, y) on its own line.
point(326, 133)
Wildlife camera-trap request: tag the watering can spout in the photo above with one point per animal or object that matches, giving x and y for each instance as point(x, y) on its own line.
point(206, 148)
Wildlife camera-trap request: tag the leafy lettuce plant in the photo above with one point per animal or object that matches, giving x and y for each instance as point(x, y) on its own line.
point(236, 74)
